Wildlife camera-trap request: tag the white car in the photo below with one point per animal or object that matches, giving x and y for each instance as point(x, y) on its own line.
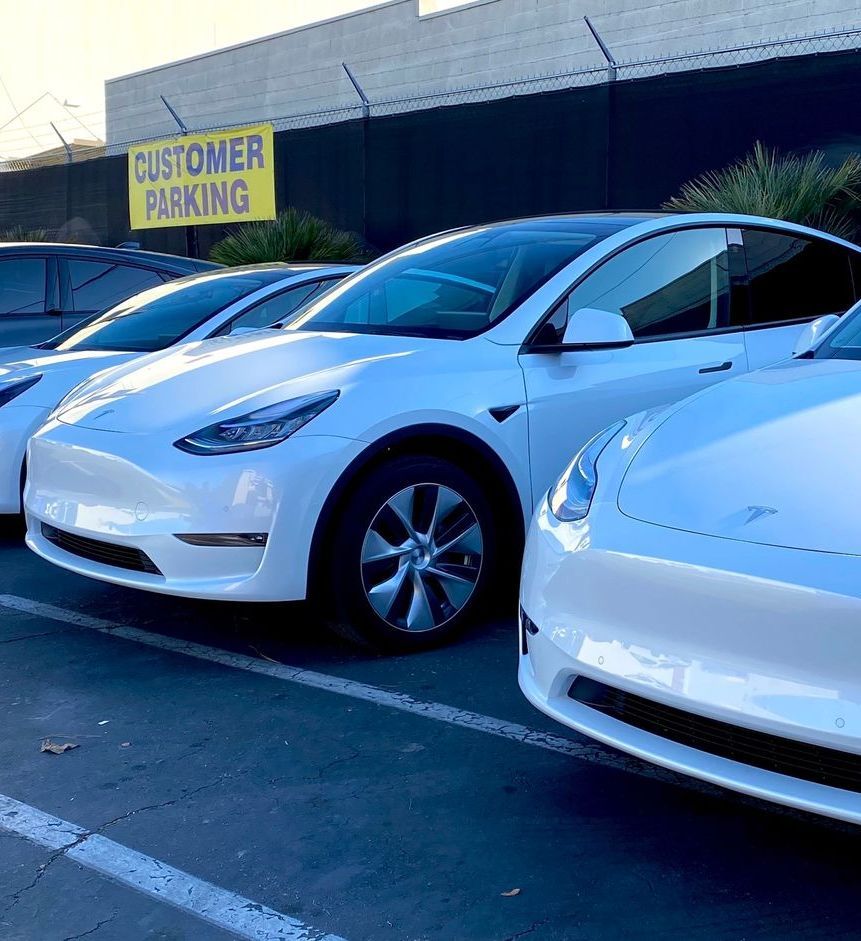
point(33, 379)
point(691, 587)
point(383, 452)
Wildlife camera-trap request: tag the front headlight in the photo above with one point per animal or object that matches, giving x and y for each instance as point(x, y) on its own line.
point(572, 494)
point(260, 429)
point(11, 390)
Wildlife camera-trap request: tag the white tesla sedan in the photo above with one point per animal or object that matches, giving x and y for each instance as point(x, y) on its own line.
point(33, 379)
point(383, 451)
point(692, 584)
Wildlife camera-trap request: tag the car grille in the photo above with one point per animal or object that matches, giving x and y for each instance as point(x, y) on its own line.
point(108, 553)
point(758, 749)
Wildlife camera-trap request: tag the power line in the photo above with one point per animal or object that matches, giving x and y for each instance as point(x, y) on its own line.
point(17, 113)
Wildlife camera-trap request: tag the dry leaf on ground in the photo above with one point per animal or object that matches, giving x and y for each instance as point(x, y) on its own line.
point(54, 748)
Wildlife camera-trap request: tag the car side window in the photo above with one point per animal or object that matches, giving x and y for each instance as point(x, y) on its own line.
point(22, 285)
point(274, 308)
point(666, 285)
point(794, 278)
point(97, 286)
point(855, 265)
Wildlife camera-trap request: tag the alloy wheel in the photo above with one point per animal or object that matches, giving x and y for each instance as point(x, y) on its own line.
point(421, 557)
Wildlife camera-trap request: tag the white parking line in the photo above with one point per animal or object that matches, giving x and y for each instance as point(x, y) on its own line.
point(584, 751)
point(241, 916)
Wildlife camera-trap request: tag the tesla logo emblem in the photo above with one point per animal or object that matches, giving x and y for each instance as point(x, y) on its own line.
point(757, 512)
point(107, 411)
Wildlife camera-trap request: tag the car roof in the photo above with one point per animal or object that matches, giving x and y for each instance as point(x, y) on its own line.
point(613, 221)
point(161, 260)
point(268, 272)
point(297, 267)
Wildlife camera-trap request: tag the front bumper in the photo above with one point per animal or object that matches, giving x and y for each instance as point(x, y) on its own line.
point(134, 492)
point(17, 424)
point(763, 638)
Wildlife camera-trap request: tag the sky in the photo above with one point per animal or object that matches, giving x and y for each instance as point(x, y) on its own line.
point(61, 51)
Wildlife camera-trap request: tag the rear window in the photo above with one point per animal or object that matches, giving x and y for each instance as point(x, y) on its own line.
point(794, 278)
point(97, 285)
point(22, 286)
point(161, 316)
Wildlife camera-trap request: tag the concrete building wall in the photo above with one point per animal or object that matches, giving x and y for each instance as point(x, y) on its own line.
point(396, 52)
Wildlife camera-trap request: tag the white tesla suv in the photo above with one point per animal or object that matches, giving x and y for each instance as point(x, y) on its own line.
point(383, 451)
point(692, 584)
point(33, 379)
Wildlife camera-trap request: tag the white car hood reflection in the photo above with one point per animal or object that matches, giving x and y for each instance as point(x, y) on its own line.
point(759, 459)
point(196, 384)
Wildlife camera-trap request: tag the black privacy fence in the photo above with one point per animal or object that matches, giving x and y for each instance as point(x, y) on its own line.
point(627, 144)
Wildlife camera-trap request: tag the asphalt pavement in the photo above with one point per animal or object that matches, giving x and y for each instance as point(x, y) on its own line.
point(239, 773)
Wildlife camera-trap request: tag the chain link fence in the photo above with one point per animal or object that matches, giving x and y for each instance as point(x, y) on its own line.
point(821, 43)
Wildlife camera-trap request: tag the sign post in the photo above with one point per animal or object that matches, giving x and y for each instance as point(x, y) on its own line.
point(200, 179)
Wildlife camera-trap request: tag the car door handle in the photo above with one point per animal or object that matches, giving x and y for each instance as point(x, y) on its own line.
point(721, 367)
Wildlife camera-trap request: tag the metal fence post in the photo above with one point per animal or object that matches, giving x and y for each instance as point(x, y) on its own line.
point(612, 66)
point(192, 243)
point(64, 142)
point(366, 116)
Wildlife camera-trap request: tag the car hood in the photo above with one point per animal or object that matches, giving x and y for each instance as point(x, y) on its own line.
point(769, 458)
point(60, 370)
point(196, 384)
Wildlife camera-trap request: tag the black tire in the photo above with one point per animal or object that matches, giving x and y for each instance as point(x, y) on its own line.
point(343, 593)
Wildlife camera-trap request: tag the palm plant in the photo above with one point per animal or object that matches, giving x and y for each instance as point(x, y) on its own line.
point(18, 233)
point(294, 235)
point(802, 189)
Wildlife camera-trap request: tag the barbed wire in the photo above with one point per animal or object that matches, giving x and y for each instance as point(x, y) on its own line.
point(822, 42)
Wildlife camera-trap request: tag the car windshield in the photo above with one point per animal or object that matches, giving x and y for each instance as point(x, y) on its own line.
point(454, 285)
point(845, 341)
point(160, 317)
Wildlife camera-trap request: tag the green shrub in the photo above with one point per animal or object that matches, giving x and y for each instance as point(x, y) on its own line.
point(293, 236)
point(802, 189)
point(18, 233)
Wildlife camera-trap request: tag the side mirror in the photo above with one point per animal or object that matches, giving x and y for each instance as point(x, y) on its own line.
point(592, 328)
point(812, 333)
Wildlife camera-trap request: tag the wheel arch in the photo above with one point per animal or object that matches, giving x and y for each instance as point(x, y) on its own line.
point(432, 440)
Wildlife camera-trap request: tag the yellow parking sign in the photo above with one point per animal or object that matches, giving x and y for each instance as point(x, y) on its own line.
point(196, 179)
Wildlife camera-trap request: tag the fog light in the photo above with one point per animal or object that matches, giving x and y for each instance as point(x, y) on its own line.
point(234, 540)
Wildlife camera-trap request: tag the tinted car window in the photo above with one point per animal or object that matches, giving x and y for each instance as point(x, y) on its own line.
point(795, 278)
point(161, 316)
point(274, 308)
point(668, 284)
point(855, 265)
point(22, 286)
point(454, 285)
point(97, 286)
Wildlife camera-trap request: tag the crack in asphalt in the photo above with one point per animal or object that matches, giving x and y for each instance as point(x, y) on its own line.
point(343, 759)
point(533, 927)
point(160, 806)
point(61, 630)
point(16, 896)
point(86, 934)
